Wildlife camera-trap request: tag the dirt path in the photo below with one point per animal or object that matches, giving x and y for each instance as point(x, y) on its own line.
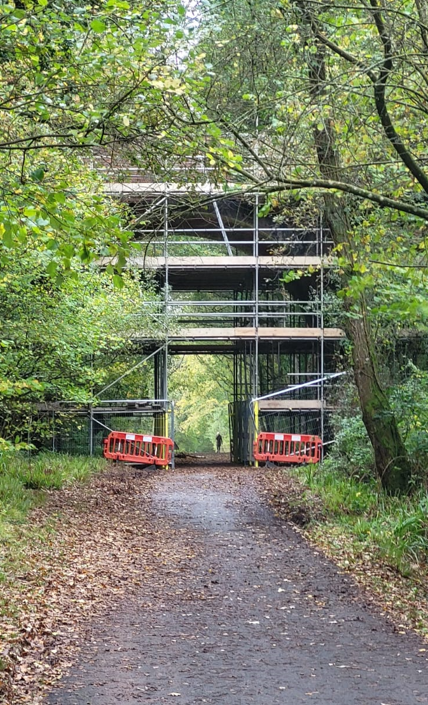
point(256, 617)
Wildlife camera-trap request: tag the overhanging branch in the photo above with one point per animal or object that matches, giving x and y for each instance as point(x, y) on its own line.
point(330, 185)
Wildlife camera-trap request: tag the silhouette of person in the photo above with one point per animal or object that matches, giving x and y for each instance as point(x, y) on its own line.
point(219, 441)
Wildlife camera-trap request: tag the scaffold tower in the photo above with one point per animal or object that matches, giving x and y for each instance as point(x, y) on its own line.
point(240, 285)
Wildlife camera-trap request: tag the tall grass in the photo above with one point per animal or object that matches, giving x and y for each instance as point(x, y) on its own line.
point(24, 478)
point(395, 528)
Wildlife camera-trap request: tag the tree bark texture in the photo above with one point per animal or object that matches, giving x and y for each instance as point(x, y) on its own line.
point(391, 459)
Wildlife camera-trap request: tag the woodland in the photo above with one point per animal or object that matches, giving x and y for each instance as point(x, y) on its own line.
point(320, 106)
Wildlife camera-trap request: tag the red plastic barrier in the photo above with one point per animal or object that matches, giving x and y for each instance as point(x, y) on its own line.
point(138, 448)
point(287, 448)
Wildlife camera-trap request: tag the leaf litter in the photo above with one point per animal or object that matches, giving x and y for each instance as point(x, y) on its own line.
point(87, 548)
point(402, 598)
point(92, 545)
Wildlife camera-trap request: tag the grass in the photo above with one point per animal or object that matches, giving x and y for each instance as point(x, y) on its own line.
point(23, 481)
point(394, 528)
point(31, 560)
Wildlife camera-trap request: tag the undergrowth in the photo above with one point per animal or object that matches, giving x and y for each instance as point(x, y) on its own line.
point(355, 507)
point(23, 480)
point(393, 528)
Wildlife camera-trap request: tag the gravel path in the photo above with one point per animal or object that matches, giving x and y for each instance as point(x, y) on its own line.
point(258, 617)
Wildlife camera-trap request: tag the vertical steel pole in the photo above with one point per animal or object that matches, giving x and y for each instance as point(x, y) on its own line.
point(172, 436)
point(91, 418)
point(256, 427)
point(156, 394)
point(91, 431)
point(29, 427)
point(256, 318)
point(256, 283)
point(321, 237)
point(166, 353)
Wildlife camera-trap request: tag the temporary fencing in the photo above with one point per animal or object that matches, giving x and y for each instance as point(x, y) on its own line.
point(138, 448)
point(287, 448)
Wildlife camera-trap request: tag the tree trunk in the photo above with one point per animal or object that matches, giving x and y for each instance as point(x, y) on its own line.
point(392, 463)
point(391, 459)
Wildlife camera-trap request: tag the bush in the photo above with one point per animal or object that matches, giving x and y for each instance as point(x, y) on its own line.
point(351, 453)
point(411, 531)
point(409, 401)
point(368, 521)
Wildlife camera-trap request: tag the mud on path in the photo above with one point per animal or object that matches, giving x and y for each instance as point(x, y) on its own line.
point(257, 617)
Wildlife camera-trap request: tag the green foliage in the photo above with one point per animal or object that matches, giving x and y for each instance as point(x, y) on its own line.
point(21, 474)
point(79, 83)
point(201, 386)
point(52, 472)
point(351, 452)
point(395, 529)
point(73, 87)
point(62, 342)
point(341, 494)
point(292, 275)
point(409, 400)
point(410, 531)
point(262, 90)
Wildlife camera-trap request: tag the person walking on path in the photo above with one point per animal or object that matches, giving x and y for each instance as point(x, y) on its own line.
point(219, 441)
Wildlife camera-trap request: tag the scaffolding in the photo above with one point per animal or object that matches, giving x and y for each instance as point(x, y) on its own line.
point(241, 285)
point(80, 429)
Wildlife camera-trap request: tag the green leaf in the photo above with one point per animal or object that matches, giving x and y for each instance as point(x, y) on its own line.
point(38, 174)
point(52, 268)
point(98, 26)
point(8, 238)
point(118, 281)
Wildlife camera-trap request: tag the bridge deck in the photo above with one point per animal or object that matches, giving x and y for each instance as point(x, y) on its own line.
point(267, 334)
point(252, 333)
point(229, 262)
point(293, 405)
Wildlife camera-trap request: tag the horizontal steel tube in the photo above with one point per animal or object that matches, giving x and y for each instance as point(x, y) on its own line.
point(244, 314)
point(271, 229)
point(217, 243)
point(238, 304)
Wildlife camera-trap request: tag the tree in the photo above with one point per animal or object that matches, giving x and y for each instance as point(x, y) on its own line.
point(61, 342)
point(370, 107)
point(202, 386)
point(342, 112)
point(391, 458)
point(77, 81)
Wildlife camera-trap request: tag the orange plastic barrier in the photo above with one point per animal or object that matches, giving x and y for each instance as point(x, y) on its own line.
point(287, 448)
point(138, 448)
